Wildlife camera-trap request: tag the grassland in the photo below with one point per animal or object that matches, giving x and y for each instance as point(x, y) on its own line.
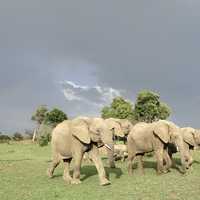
point(23, 176)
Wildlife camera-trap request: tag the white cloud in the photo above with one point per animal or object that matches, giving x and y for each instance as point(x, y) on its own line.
point(96, 96)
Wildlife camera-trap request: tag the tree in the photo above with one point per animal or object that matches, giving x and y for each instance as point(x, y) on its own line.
point(39, 117)
point(54, 117)
point(149, 108)
point(17, 136)
point(40, 114)
point(46, 121)
point(164, 111)
point(119, 108)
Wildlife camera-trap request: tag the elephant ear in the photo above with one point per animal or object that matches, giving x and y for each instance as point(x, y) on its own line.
point(188, 136)
point(115, 125)
point(162, 131)
point(80, 130)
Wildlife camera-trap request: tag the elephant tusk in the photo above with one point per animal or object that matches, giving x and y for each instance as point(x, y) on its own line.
point(107, 146)
point(177, 148)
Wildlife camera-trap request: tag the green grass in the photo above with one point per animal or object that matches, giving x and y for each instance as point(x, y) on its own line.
point(23, 176)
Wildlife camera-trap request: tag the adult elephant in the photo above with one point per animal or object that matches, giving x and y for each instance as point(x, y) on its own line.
point(117, 130)
point(126, 126)
point(121, 128)
point(72, 138)
point(154, 137)
point(191, 138)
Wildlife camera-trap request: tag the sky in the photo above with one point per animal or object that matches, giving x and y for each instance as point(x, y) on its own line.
point(78, 55)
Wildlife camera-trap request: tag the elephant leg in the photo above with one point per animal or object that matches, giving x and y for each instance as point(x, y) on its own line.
point(131, 155)
point(188, 156)
point(111, 158)
point(190, 161)
point(54, 164)
point(159, 158)
point(168, 161)
point(66, 175)
point(77, 167)
point(140, 163)
point(95, 156)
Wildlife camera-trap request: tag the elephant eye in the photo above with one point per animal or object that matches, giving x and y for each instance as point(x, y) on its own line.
point(98, 131)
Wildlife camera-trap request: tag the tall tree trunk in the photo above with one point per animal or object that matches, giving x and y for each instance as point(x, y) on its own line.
point(35, 133)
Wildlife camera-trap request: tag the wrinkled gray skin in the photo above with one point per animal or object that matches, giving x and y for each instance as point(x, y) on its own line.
point(191, 138)
point(120, 128)
point(154, 137)
point(72, 138)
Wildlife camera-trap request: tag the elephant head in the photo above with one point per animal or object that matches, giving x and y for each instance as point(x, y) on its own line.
point(94, 130)
point(125, 126)
point(114, 126)
point(168, 132)
point(191, 136)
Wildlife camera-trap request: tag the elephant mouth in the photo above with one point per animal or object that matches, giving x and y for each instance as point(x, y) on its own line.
point(108, 146)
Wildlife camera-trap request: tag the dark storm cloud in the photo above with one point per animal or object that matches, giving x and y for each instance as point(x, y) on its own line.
point(127, 45)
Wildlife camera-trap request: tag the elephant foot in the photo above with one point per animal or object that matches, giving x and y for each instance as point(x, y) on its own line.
point(159, 173)
point(75, 181)
point(67, 179)
point(166, 171)
point(104, 181)
point(49, 173)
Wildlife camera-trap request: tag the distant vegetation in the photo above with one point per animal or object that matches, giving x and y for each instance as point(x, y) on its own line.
point(148, 108)
point(46, 120)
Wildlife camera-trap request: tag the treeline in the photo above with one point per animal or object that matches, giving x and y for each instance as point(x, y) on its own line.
point(17, 136)
point(148, 107)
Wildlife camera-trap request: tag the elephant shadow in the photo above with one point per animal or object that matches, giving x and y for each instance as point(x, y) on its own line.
point(89, 171)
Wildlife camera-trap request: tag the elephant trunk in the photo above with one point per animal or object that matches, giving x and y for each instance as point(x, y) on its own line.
point(110, 154)
point(182, 154)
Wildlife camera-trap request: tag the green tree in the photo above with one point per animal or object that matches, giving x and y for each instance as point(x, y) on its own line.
point(55, 116)
point(50, 120)
point(119, 108)
point(39, 114)
point(149, 108)
point(164, 111)
point(18, 136)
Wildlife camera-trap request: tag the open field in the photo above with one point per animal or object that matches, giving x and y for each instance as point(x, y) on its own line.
point(23, 176)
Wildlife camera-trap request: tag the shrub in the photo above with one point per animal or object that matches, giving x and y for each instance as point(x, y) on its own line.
point(18, 137)
point(4, 139)
point(43, 141)
point(44, 134)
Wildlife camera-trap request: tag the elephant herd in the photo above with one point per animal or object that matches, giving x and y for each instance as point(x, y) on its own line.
point(71, 139)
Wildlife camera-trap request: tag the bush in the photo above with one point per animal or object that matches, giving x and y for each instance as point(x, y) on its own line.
point(18, 137)
point(43, 141)
point(119, 108)
point(55, 117)
point(4, 139)
point(44, 134)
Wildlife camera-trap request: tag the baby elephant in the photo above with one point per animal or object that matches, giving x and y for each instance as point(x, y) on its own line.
point(120, 152)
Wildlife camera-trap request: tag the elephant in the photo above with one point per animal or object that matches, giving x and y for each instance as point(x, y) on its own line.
point(121, 128)
point(72, 138)
point(126, 126)
point(117, 130)
point(191, 138)
point(120, 152)
point(154, 137)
